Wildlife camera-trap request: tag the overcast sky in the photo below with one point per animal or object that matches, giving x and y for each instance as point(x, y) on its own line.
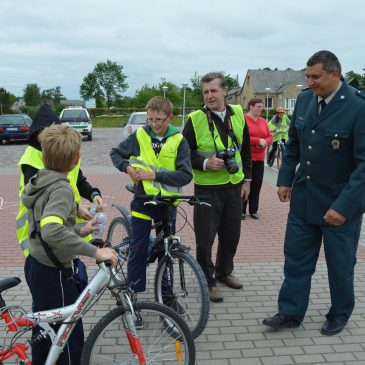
point(57, 43)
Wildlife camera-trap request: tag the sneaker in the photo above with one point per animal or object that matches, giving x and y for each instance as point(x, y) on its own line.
point(231, 281)
point(255, 215)
point(138, 322)
point(243, 216)
point(215, 294)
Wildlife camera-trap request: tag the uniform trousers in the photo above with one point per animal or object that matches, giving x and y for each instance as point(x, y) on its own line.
point(51, 289)
point(222, 218)
point(301, 248)
point(255, 188)
point(141, 230)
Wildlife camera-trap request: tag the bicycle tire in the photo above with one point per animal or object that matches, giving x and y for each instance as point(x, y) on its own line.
point(106, 344)
point(279, 157)
point(193, 302)
point(119, 233)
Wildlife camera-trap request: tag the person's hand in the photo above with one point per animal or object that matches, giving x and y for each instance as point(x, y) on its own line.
point(214, 163)
point(245, 190)
point(131, 171)
point(284, 193)
point(84, 213)
point(334, 218)
point(98, 201)
point(89, 227)
point(144, 175)
point(105, 254)
point(262, 143)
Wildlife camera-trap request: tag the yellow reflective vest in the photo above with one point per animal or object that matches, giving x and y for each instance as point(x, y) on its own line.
point(148, 161)
point(283, 126)
point(33, 157)
point(205, 147)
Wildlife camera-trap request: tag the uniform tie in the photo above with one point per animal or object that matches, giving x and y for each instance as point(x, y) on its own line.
point(323, 104)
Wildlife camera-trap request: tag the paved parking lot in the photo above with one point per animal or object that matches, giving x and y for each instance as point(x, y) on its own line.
point(234, 334)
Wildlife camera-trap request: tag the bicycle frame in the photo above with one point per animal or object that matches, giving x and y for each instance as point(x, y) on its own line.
point(69, 315)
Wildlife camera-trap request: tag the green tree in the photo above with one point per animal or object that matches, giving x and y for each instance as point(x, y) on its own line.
point(53, 96)
point(6, 100)
point(106, 83)
point(356, 79)
point(32, 95)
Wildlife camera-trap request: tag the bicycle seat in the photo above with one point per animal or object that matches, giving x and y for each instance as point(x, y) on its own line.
point(9, 283)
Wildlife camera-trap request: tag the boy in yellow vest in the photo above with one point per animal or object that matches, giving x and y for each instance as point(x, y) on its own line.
point(157, 159)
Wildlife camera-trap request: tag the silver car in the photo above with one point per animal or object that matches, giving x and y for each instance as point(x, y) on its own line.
point(135, 120)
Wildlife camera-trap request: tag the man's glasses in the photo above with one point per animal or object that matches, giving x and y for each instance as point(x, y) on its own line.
point(157, 121)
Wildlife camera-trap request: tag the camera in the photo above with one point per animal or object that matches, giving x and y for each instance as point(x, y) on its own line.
point(227, 155)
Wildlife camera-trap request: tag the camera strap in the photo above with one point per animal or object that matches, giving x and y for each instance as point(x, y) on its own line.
point(229, 128)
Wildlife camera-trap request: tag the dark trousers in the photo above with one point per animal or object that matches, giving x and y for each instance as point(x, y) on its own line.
point(255, 188)
point(224, 218)
point(301, 249)
point(51, 289)
point(141, 230)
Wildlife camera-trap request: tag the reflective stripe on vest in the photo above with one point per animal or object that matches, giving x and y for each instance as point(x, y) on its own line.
point(166, 161)
point(206, 148)
point(51, 219)
point(33, 157)
point(282, 126)
point(141, 215)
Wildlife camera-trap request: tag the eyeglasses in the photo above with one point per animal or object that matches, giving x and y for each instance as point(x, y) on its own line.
point(157, 121)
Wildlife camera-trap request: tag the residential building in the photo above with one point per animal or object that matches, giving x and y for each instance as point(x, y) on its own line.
point(274, 87)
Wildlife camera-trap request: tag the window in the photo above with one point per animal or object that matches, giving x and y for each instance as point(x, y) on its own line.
point(290, 104)
point(268, 102)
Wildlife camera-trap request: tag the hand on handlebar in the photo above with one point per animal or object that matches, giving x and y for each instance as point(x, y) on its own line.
point(105, 254)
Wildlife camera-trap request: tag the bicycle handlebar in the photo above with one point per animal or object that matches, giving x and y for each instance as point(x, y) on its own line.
point(168, 200)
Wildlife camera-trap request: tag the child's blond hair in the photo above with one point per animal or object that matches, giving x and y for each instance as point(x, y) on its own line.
point(60, 144)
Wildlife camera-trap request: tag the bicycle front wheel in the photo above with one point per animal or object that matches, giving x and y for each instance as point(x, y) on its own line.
point(180, 284)
point(279, 157)
point(164, 339)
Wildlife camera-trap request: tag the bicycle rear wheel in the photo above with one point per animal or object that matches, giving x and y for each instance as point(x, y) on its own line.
point(119, 233)
point(164, 339)
point(180, 284)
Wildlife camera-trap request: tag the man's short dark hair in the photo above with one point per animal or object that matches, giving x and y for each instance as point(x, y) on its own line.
point(328, 59)
point(212, 76)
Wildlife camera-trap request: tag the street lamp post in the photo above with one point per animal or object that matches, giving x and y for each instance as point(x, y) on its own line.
point(184, 85)
point(164, 89)
point(267, 89)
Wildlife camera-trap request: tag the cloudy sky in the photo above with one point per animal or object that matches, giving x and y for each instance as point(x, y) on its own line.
point(57, 43)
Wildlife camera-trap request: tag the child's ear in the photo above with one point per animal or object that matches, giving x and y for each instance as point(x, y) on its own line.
point(76, 159)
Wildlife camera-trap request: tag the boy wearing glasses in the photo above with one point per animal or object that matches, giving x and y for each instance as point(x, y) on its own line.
point(157, 159)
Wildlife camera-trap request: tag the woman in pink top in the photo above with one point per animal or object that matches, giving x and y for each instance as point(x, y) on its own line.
point(260, 138)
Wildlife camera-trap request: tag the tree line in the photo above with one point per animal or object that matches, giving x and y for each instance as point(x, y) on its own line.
point(107, 82)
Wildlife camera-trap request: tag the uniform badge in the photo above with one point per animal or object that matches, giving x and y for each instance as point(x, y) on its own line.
point(335, 144)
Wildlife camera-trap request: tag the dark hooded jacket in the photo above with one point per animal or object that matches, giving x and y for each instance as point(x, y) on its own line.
point(44, 118)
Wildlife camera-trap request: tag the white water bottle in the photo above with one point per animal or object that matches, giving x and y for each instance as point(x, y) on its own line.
point(100, 220)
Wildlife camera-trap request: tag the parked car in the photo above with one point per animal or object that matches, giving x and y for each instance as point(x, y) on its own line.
point(135, 120)
point(78, 117)
point(14, 127)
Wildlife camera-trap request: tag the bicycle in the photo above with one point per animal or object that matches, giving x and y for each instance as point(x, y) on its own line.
point(280, 148)
point(164, 339)
point(184, 289)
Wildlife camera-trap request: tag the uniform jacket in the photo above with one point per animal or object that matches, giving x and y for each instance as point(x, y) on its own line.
point(330, 150)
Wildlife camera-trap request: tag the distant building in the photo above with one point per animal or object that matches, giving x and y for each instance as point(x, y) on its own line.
point(74, 102)
point(274, 87)
point(18, 104)
point(233, 95)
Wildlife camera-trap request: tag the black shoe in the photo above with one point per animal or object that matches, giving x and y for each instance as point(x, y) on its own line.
point(255, 215)
point(279, 321)
point(243, 216)
point(332, 327)
point(270, 163)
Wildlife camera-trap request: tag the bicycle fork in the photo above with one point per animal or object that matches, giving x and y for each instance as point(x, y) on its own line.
point(133, 339)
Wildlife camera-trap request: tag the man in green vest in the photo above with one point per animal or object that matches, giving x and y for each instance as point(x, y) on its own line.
point(221, 159)
point(156, 157)
point(29, 164)
point(279, 126)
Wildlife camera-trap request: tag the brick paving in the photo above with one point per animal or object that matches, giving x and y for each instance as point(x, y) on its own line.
point(234, 334)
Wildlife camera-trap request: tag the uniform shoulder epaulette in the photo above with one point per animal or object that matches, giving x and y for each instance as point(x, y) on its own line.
point(360, 93)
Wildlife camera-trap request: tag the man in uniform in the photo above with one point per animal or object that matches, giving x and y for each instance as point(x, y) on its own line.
point(326, 193)
point(221, 159)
